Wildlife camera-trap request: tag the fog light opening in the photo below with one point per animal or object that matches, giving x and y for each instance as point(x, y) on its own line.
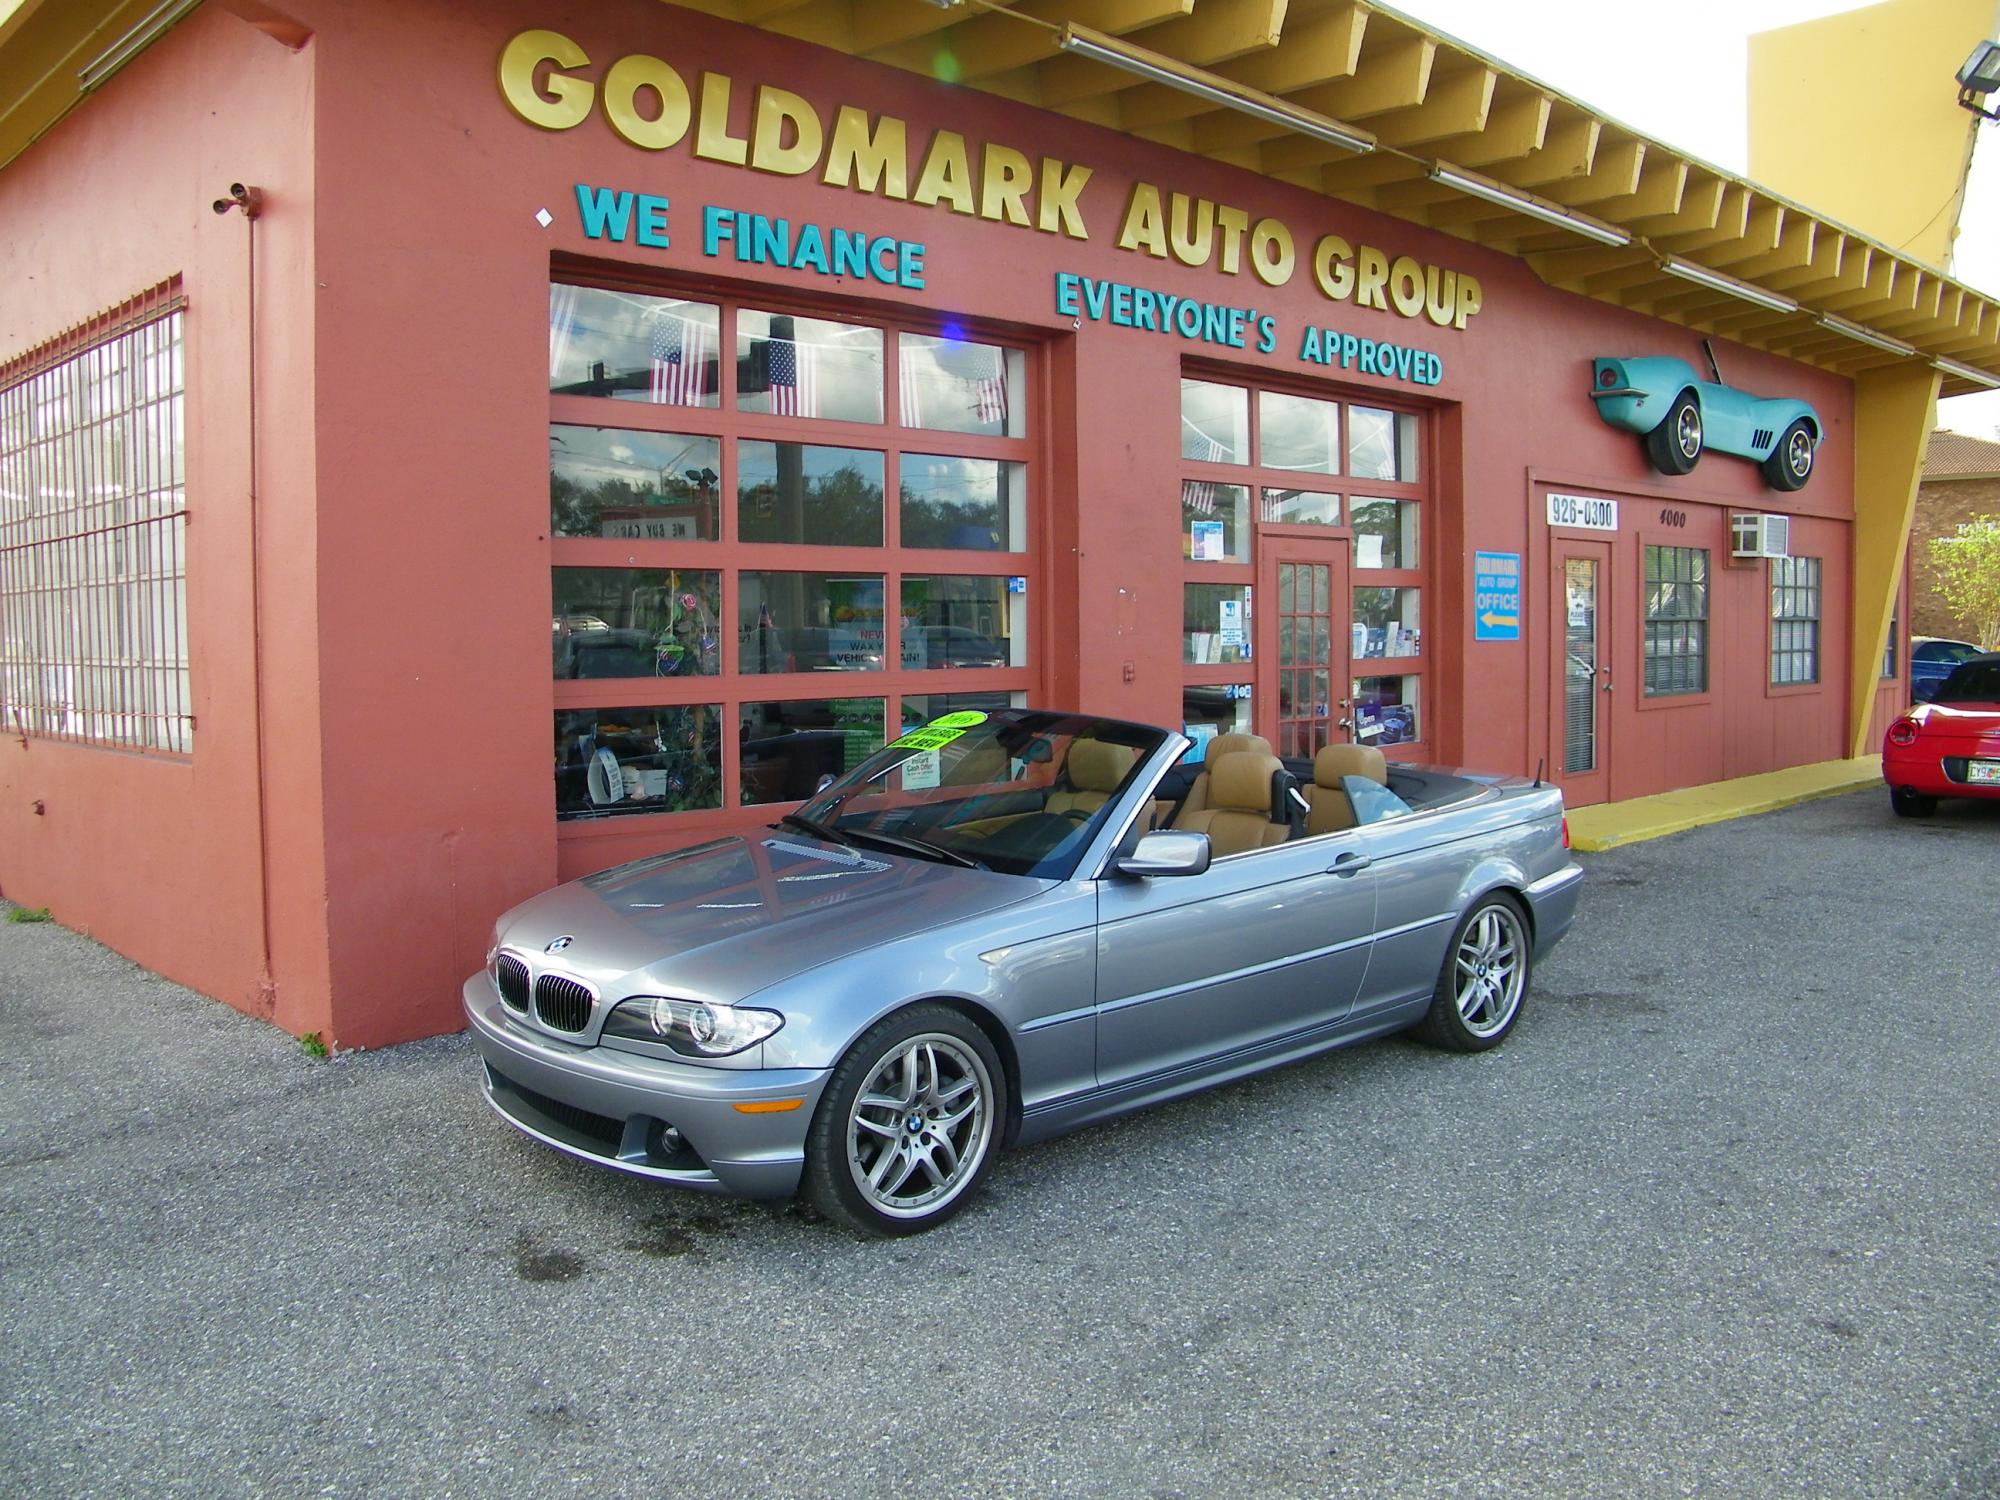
point(669, 1148)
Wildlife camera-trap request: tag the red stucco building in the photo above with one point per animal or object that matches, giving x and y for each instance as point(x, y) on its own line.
point(798, 395)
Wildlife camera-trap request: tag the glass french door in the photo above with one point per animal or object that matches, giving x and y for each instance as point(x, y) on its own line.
point(1582, 679)
point(1302, 676)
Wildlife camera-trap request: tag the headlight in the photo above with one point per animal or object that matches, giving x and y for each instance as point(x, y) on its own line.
point(692, 1027)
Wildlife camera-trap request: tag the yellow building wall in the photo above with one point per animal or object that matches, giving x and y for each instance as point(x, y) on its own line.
point(1857, 117)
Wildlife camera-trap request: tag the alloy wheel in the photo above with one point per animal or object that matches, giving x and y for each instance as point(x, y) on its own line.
point(1490, 971)
point(920, 1126)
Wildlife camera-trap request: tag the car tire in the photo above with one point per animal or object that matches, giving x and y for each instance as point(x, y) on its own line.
point(1484, 981)
point(1790, 464)
point(1675, 445)
point(909, 1123)
point(1909, 804)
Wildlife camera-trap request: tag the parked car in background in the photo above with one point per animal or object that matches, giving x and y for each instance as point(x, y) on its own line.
point(1931, 660)
point(1950, 746)
point(979, 936)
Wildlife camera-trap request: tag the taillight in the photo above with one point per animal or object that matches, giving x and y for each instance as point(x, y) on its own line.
point(1903, 732)
point(1565, 832)
point(1607, 377)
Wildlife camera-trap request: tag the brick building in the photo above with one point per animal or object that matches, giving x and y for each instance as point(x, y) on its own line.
point(1961, 481)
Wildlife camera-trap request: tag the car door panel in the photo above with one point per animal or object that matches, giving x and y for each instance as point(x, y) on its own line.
point(1258, 946)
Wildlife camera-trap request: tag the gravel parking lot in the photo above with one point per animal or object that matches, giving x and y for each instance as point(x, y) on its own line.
point(1722, 1218)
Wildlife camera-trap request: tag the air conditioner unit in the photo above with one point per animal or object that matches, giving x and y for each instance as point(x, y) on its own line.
point(1760, 536)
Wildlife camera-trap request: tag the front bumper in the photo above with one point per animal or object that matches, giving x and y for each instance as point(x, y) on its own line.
point(605, 1106)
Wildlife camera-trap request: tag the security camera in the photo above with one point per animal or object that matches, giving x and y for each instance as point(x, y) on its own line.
point(249, 199)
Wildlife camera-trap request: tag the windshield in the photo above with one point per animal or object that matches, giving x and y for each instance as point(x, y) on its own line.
point(1974, 682)
point(1020, 791)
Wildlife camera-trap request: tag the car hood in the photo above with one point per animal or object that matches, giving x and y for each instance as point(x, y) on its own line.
point(724, 920)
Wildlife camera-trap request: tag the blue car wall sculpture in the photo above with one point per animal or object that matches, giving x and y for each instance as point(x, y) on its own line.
point(1677, 414)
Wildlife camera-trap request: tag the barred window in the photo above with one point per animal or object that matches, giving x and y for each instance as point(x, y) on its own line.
point(93, 512)
point(1794, 620)
point(1676, 621)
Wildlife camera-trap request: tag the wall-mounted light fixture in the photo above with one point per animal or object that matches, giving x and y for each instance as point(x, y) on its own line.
point(1866, 336)
point(1715, 281)
point(147, 30)
point(1527, 203)
point(1154, 67)
point(1978, 78)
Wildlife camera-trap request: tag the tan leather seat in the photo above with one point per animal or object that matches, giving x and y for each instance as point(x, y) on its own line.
point(1331, 809)
point(1222, 744)
point(1238, 817)
point(1094, 771)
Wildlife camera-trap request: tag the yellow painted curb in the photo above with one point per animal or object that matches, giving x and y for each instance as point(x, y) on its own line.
point(1611, 824)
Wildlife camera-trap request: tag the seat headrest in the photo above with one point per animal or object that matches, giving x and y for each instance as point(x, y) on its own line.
point(1094, 766)
point(1228, 744)
point(1336, 761)
point(1241, 781)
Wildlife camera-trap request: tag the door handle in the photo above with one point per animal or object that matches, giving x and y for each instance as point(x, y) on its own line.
point(1349, 864)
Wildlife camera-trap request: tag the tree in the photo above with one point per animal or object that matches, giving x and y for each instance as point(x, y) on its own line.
point(1966, 568)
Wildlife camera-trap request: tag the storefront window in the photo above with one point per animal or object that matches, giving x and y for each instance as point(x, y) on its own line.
point(960, 621)
point(636, 622)
point(662, 350)
point(1215, 622)
point(1381, 444)
point(793, 492)
point(1385, 533)
point(790, 750)
point(1795, 607)
point(1215, 422)
point(1676, 621)
point(1889, 652)
point(921, 709)
point(1366, 591)
point(808, 367)
point(615, 761)
point(1386, 623)
point(677, 573)
point(1216, 708)
point(1385, 711)
point(954, 385)
point(1296, 432)
point(1215, 521)
point(1301, 508)
point(809, 622)
point(639, 486)
point(979, 504)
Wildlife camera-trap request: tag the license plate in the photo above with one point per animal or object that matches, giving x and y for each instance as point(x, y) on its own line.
point(1983, 771)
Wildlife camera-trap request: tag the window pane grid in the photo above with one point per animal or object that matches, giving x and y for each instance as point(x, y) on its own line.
point(792, 549)
point(1676, 600)
point(1795, 617)
point(93, 510)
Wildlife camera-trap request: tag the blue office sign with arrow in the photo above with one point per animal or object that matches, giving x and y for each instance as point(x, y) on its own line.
point(1496, 596)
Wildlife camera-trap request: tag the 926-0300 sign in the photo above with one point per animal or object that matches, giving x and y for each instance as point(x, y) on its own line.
point(1586, 511)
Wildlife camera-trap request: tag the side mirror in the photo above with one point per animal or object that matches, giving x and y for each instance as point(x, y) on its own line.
point(1165, 852)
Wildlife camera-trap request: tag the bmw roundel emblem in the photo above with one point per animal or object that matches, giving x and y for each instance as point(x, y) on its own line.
point(558, 944)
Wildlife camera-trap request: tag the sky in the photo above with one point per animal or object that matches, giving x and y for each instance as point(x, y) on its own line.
point(1690, 94)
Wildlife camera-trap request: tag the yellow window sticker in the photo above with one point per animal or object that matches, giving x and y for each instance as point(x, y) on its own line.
point(940, 732)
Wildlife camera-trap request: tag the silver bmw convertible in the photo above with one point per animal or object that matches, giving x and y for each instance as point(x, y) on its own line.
point(1002, 926)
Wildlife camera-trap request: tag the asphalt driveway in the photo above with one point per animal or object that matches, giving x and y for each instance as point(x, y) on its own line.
point(1722, 1218)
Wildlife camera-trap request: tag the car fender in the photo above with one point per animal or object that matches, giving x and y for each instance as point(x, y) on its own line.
point(1642, 390)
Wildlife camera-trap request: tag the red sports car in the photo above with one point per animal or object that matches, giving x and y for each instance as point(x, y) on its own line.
point(1950, 746)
